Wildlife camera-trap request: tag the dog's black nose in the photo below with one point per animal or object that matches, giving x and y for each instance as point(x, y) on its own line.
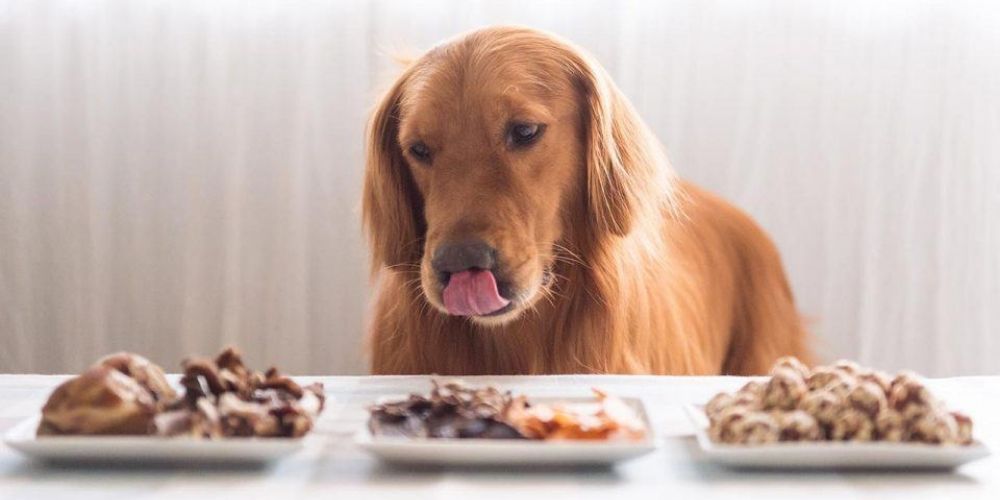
point(457, 257)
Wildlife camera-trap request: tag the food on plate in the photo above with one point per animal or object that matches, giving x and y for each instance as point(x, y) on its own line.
point(607, 418)
point(126, 394)
point(797, 425)
point(101, 400)
point(453, 410)
point(144, 372)
point(841, 402)
point(224, 398)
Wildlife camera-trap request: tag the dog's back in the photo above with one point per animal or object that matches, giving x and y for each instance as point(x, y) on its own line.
point(732, 275)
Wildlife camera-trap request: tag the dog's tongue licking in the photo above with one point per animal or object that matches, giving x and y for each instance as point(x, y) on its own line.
point(473, 293)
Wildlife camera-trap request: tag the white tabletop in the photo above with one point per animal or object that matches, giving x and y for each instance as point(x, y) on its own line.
point(332, 468)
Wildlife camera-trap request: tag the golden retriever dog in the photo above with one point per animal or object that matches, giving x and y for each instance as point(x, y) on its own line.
point(523, 220)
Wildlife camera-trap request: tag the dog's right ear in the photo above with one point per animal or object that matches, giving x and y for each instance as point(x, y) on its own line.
point(392, 208)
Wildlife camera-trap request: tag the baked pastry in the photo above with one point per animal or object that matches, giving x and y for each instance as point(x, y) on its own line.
point(891, 426)
point(852, 425)
point(784, 390)
point(797, 425)
point(791, 363)
point(868, 397)
point(725, 427)
point(755, 428)
point(822, 406)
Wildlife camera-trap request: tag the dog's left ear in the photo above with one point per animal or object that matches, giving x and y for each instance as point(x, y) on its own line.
point(627, 171)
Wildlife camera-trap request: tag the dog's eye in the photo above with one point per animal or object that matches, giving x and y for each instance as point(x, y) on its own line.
point(421, 152)
point(523, 134)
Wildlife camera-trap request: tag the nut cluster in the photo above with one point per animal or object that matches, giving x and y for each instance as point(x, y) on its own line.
point(841, 402)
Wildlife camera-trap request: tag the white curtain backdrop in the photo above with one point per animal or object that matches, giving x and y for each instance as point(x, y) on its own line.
point(179, 175)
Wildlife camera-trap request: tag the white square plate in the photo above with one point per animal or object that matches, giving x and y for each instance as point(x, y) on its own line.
point(832, 454)
point(509, 452)
point(147, 449)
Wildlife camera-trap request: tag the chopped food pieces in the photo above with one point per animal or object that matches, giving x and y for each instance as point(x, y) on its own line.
point(452, 410)
point(126, 394)
point(842, 402)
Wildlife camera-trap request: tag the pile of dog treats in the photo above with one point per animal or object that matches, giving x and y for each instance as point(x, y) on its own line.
point(841, 402)
point(125, 393)
point(453, 410)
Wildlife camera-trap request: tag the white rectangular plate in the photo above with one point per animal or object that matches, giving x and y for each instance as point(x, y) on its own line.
point(146, 449)
point(509, 452)
point(832, 454)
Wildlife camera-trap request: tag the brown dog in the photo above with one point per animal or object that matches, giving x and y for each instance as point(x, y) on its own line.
point(523, 219)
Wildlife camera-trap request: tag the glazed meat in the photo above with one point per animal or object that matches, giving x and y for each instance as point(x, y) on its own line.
point(101, 400)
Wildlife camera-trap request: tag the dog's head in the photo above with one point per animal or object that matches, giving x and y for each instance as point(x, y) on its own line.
point(492, 156)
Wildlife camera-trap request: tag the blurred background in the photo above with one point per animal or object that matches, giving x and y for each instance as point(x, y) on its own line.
point(180, 175)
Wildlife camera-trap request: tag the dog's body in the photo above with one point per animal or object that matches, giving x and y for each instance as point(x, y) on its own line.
point(587, 255)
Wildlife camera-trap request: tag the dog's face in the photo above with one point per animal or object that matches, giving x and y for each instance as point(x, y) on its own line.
point(494, 156)
point(480, 158)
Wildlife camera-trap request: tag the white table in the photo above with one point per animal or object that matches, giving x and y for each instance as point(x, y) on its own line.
point(333, 469)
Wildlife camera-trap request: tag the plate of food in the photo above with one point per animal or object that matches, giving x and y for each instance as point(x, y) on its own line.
point(123, 409)
point(459, 425)
point(841, 416)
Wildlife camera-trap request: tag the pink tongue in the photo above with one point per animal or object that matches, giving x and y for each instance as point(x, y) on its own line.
point(473, 293)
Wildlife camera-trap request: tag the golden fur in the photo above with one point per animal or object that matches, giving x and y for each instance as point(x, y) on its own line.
point(618, 266)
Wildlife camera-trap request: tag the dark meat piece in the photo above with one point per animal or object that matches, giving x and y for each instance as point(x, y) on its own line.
point(450, 411)
point(246, 403)
point(202, 377)
point(275, 380)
